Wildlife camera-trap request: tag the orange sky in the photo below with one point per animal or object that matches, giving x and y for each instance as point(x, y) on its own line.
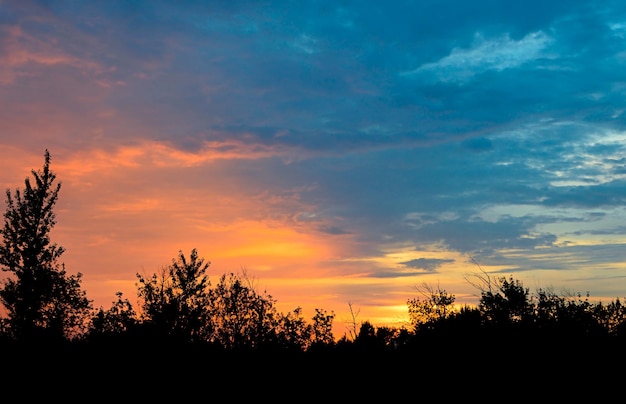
point(131, 211)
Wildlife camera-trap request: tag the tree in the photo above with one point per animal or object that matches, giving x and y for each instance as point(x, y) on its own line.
point(509, 304)
point(353, 330)
point(242, 317)
point(323, 327)
point(434, 306)
point(613, 317)
point(503, 301)
point(41, 299)
point(293, 331)
point(578, 317)
point(116, 321)
point(175, 303)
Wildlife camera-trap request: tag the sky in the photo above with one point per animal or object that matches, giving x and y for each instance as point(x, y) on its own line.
point(342, 155)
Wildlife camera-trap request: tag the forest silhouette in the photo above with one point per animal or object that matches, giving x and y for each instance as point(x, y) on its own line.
point(186, 330)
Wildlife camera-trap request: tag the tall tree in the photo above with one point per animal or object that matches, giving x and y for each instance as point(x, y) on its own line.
point(41, 299)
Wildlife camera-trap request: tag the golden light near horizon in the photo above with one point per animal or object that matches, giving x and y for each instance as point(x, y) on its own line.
point(296, 264)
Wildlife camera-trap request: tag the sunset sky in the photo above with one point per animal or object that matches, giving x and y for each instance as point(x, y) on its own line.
point(340, 153)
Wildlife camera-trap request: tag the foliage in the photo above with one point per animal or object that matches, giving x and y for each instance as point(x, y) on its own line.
point(175, 303)
point(292, 331)
point(612, 317)
point(323, 327)
point(241, 317)
point(41, 299)
point(508, 303)
point(116, 321)
point(435, 305)
point(180, 304)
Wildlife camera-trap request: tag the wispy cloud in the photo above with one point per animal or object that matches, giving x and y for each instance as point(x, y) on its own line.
point(496, 54)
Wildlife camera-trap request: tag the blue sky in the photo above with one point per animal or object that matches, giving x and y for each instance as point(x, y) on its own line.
point(339, 151)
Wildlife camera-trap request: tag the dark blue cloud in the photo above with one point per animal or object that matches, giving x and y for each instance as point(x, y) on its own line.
point(427, 264)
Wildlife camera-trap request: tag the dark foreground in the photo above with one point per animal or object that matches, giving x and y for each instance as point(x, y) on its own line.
point(494, 370)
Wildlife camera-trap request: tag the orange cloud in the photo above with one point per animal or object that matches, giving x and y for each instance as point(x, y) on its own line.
point(22, 48)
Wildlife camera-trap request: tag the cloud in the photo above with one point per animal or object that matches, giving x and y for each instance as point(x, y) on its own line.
point(496, 54)
point(427, 264)
point(24, 54)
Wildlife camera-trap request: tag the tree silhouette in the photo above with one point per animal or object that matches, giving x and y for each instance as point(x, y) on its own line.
point(323, 327)
point(435, 305)
point(510, 303)
point(175, 303)
point(117, 321)
point(242, 317)
point(41, 299)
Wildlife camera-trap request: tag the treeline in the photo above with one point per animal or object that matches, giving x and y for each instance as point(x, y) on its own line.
point(180, 307)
